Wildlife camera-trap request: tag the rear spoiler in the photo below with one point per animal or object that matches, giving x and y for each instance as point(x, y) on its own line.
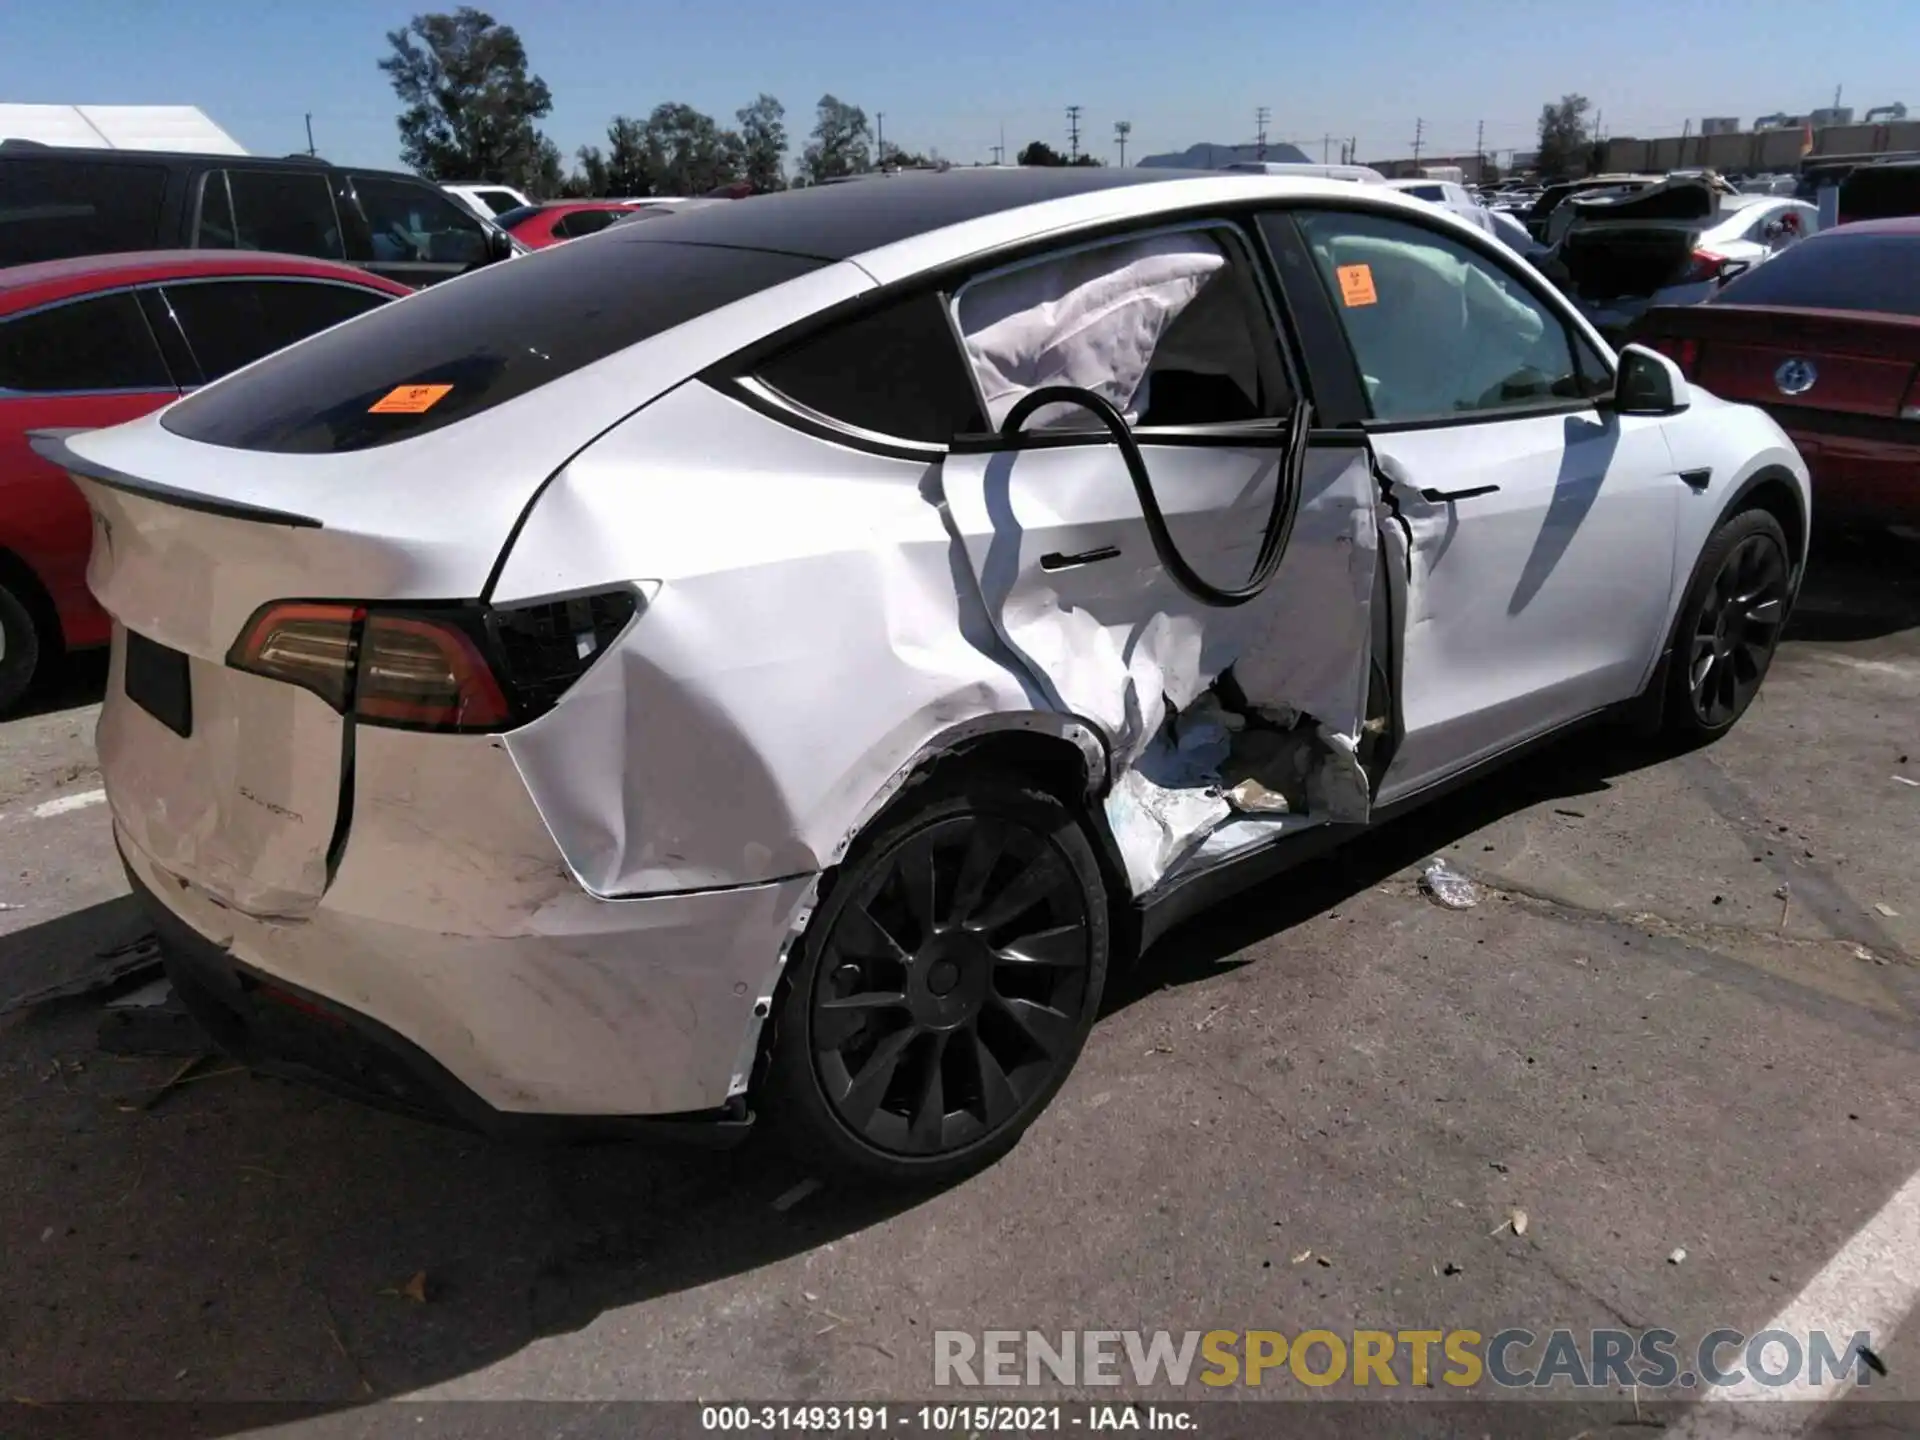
point(51, 445)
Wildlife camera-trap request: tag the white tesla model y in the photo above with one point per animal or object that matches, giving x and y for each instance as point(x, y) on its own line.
point(778, 659)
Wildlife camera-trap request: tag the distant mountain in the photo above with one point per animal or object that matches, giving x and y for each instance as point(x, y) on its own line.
point(1212, 157)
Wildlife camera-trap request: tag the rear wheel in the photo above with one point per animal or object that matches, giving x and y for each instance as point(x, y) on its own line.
point(19, 649)
point(1729, 626)
point(944, 988)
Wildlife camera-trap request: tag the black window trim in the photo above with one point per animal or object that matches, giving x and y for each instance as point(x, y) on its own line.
point(131, 289)
point(1513, 266)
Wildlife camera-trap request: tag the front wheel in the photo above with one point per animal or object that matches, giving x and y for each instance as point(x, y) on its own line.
point(1729, 626)
point(944, 988)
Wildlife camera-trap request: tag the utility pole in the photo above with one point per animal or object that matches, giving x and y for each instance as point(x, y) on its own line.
point(1260, 116)
point(1419, 136)
point(1326, 144)
point(880, 136)
point(1480, 150)
point(1122, 129)
point(310, 149)
point(1073, 132)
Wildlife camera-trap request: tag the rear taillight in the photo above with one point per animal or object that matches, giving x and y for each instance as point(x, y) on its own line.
point(1704, 265)
point(1684, 353)
point(463, 667)
point(1910, 407)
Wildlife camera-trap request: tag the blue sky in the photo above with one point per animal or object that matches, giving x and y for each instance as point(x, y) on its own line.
point(950, 76)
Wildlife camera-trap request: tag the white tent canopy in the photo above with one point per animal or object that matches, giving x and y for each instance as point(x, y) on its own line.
point(180, 128)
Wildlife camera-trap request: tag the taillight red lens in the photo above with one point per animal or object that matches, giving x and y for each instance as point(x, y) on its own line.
point(312, 646)
point(1705, 265)
point(1684, 353)
point(422, 672)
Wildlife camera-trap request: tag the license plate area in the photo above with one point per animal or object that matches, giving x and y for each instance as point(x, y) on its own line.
point(157, 681)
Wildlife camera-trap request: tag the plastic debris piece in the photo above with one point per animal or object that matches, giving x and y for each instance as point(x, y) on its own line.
point(1254, 798)
point(1886, 910)
point(1300, 1259)
point(1905, 781)
point(1676, 1257)
point(1518, 1219)
point(798, 1193)
point(1448, 886)
point(416, 1288)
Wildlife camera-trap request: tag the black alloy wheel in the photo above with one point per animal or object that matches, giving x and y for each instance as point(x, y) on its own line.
point(948, 985)
point(1732, 623)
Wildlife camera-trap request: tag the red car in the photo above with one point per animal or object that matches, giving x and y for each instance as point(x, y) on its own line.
point(538, 226)
point(1826, 338)
point(101, 339)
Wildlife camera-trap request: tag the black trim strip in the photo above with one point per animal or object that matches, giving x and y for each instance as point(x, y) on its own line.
point(52, 445)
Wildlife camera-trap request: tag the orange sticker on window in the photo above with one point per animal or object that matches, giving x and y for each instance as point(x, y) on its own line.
point(408, 400)
point(1356, 285)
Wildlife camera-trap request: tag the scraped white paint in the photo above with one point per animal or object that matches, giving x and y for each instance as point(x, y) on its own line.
point(1871, 1284)
point(84, 800)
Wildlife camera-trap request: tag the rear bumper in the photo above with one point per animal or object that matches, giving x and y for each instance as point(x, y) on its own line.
point(1859, 476)
point(454, 942)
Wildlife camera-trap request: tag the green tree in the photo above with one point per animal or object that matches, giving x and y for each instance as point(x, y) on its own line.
point(1565, 144)
point(469, 100)
point(628, 171)
point(839, 144)
point(1040, 153)
point(763, 143)
point(589, 178)
point(687, 153)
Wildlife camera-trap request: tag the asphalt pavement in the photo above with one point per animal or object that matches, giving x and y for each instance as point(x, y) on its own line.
point(1683, 1017)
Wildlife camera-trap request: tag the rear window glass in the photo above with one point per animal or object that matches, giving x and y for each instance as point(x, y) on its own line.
point(85, 345)
point(1836, 271)
point(53, 209)
point(487, 337)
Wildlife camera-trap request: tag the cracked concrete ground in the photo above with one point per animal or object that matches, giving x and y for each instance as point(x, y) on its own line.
point(1683, 1015)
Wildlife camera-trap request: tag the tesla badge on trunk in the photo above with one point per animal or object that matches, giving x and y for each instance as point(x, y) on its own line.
point(1795, 376)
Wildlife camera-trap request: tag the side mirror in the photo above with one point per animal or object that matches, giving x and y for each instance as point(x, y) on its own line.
point(500, 245)
point(1648, 383)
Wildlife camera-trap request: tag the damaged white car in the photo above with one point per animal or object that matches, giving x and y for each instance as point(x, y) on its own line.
point(780, 659)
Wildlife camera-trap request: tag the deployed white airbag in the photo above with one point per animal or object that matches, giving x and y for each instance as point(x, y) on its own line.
point(1092, 318)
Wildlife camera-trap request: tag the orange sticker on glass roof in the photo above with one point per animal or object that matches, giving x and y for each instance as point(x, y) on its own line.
point(1356, 285)
point(408, 400)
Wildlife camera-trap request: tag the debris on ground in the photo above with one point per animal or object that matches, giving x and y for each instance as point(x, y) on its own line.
point(1448, 886)
point(798, 1193)
point(1677, 1256)
point(1572, 814)
point(150, 1021)
point(1517, 1218)
point(1451, 1269)
point(66, 976)
point(1303, 1257)
point(1905, 781)
point(1887, 910)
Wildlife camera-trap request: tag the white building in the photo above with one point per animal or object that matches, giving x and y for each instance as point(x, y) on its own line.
point(180, 128)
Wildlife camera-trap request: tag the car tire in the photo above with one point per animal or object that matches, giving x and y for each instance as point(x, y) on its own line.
point(19, 649)
point(1729, 626)
point(944, 986)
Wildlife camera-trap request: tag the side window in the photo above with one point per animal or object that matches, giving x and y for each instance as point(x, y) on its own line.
point(893, 371)
point(499, 201)
point(230, 323)
point(586, 222)
point(97, 344)
point(288, 212)
point(1170, 328)
point(413, 223)
point(1435, 328)
point(52, 209)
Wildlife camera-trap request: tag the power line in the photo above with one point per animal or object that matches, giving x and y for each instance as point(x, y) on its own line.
point(1073, 132)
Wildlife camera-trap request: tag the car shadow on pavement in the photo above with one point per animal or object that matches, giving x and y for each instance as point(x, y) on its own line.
point(1863, 582)
point(76, 680)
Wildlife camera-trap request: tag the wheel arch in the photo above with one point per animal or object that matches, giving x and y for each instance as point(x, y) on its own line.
point(27, 587)
point(1773, 488)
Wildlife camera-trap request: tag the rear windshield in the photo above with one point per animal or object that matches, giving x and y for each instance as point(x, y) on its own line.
point(1837, 271)
point(470, 344)
point(55, 209)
